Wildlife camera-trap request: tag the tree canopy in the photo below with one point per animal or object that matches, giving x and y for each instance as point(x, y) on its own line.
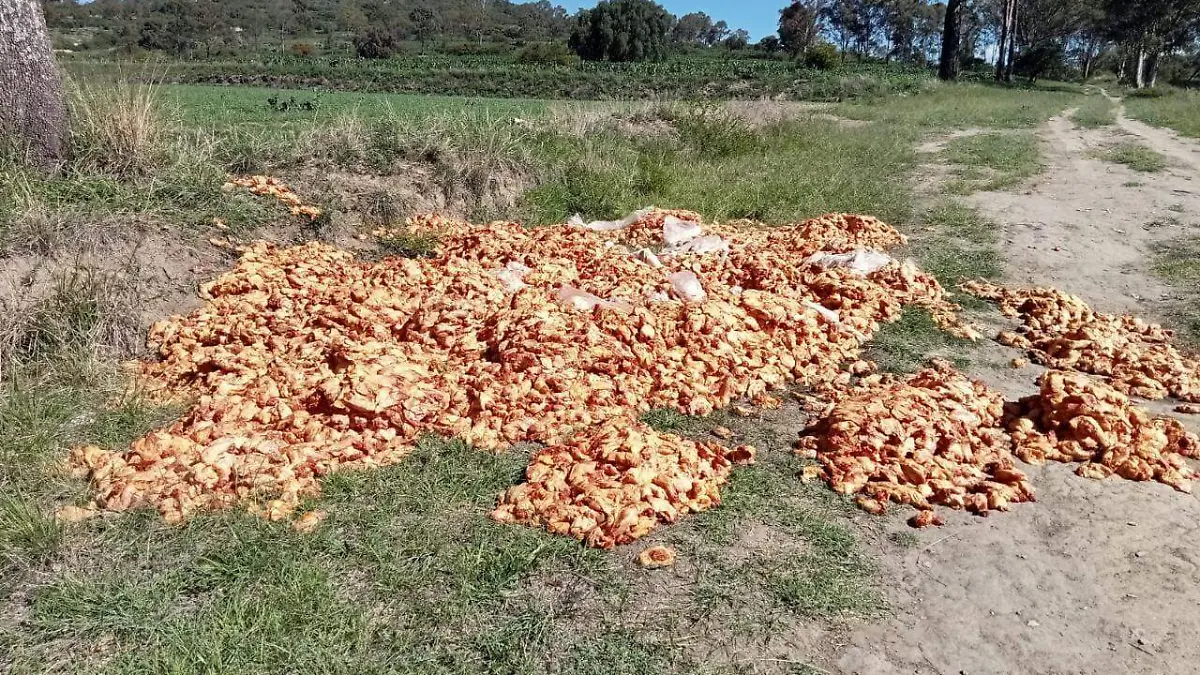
point(622, 30)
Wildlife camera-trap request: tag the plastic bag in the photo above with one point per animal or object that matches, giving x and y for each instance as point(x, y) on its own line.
point(512, 276)
point(828, 314)
point(586, 302)
point(687, 286)
point(607, 225)
point(861, 262)
point(709, 243)
point(676, 231)
point(647, 256)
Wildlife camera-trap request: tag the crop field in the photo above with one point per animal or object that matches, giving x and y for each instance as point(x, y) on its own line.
point(298, 424)
point(684, 78)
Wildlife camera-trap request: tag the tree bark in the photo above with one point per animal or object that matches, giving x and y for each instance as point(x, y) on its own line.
point(32, 111)
point(1012, 44)
point(1151, 78)
point(1139, 69)
point(951, 37)
point(1005, 27)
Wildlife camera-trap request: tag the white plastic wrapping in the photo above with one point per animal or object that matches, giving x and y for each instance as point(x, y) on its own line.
point(607, 225)
point(687, 286)
point(677, 232)
point(709, 243)
point(647, 256)
point(512, 276)
point(586, 302)
point(828, 314)
point(862, 262)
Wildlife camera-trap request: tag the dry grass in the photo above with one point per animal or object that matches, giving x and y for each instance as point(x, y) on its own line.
point(119, 127)
point(87, 313)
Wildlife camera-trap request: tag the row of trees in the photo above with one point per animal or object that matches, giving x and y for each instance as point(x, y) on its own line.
point(200, 27)
point(1035, 37)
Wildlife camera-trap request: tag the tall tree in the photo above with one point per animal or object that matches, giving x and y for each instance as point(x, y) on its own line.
point(32, 112)
point(1007, 16)
point(621, 30)
point(798, 26)
point(951, 38)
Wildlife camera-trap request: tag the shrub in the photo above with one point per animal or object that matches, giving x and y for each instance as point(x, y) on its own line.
point(118, 127)
point(622, 30)
point(303, 48)
point(821, 56)
point(551, 53)
point(713, 132)
point(376, 44)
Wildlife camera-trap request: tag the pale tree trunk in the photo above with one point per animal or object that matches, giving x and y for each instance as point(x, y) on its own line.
point(1139, 81)
point(1151, 78)
point(32, 111)
point(1005, 28)
point(1012, 44)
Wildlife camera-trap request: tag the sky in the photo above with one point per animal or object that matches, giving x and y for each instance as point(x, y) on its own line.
point(760, 17)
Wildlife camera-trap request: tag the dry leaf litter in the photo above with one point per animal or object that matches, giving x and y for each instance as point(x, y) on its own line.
point(304, 360)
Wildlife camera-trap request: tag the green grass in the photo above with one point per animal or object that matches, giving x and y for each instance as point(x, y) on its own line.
point(1178, 262)
point(957, 243)
point(994, 161)
point(1095, 112)
point(907, 345)
point(1135, 156)
point(1178, 110)
point(962, 106)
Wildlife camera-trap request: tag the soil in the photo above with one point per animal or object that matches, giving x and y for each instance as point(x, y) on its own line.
point(1096, 576)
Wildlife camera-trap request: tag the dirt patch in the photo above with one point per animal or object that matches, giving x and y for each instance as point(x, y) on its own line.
point(1091, 578)
point(1085, 227)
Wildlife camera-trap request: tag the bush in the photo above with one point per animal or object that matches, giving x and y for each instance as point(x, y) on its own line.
point(713, 132)
point(303, 48)
point(118, 127)
point(549, 53)
point(622, 30)
point(376, 44)
point(821, 56)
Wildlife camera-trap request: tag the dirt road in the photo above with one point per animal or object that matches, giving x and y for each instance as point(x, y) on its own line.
point(1096, 577)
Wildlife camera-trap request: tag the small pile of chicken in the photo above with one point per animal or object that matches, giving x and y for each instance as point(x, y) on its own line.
point(1062, 332)
point(616, 482)
point(1074, 418)
point(272, 187)
point(932, 438)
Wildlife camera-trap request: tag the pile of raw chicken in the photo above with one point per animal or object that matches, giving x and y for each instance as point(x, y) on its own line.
point(305, 360)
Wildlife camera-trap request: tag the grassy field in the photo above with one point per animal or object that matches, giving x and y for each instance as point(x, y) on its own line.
point(1135, 156)
point(1170, 108)
point(408, 575)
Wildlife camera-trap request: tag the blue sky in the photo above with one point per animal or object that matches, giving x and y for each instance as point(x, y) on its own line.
point(760, 17)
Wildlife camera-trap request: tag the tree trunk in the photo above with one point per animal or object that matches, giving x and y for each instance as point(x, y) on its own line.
point(1151, 78)
point(1012, 44)
point(951, 36)
point(1005, 25)
point(1138, 81)
point(32, 111)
